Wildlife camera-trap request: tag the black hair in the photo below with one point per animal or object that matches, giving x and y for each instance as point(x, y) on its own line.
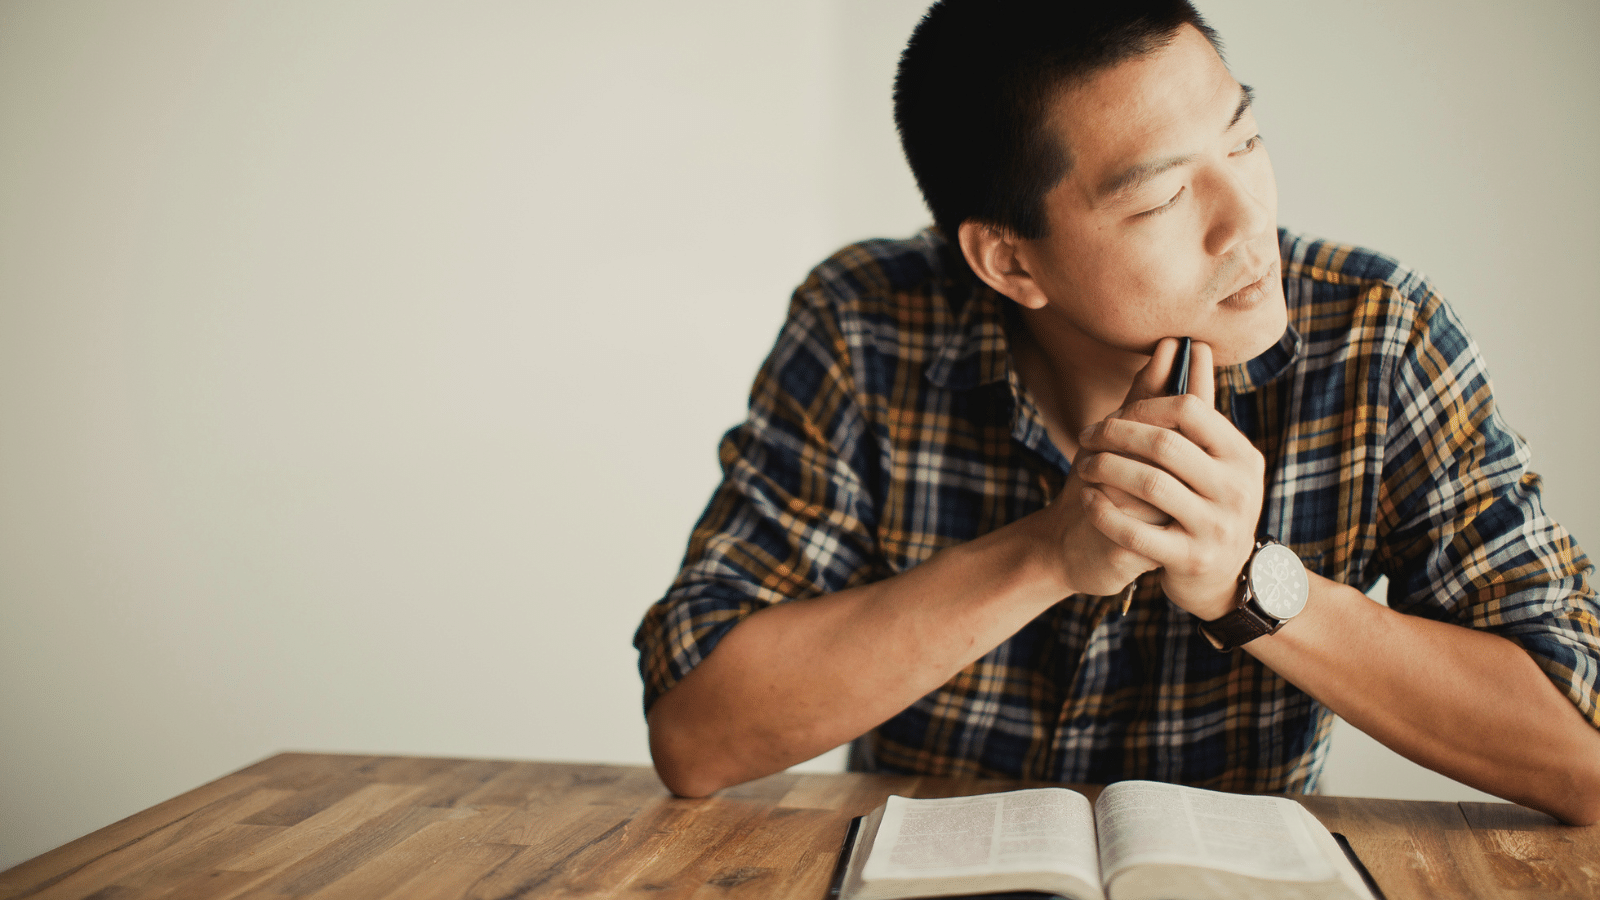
point(973, 92)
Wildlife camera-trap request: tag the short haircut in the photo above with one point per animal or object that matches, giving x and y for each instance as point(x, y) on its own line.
point(973, 93)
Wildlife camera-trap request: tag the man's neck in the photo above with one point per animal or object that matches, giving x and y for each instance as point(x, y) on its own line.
point(1074, 380)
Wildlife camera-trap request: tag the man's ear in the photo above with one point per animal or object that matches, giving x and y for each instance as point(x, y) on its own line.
point(993, 255)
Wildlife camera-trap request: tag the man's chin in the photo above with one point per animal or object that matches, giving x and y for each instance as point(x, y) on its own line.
point(1250, 338)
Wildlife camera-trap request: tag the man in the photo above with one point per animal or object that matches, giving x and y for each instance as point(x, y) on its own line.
point(962, 450)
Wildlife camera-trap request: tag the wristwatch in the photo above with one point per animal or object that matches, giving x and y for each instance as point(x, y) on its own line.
point(1272, 590)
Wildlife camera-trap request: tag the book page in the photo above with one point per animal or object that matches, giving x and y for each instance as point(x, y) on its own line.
point(1039, 830)
point(1145, 822)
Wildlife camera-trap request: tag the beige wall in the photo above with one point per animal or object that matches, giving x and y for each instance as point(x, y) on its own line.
point(362, 363)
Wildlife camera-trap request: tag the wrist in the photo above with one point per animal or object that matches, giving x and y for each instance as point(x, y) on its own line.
point(1043, 560)
point(1020, 561)
point(1273, 589)
point(1221, 603)
point(1209, 601)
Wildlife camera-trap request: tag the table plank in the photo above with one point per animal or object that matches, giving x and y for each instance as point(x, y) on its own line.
point(342, 827)
point(594, 854)
point(855, 796)
point(1529, 854)
point(1413, 848)
point(722, 830)
point(442, 859)
point(172, 847)
point(788, 853)
point(64, 861)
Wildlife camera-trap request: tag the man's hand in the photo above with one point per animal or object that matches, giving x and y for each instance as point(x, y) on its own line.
point(1178, 456)
point(1091, 562)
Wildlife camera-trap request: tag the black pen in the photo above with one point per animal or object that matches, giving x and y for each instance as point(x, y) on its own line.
point(1178, 380)
point(1177, 385)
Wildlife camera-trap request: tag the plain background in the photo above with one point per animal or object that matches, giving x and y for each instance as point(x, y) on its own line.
point(362, 363)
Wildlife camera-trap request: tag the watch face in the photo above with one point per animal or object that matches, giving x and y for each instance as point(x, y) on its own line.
point(1278, 581)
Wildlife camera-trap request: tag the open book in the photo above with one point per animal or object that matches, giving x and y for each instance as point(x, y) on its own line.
point(1154, 841)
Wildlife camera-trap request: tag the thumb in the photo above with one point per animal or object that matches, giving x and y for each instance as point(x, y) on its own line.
point(1152, 379)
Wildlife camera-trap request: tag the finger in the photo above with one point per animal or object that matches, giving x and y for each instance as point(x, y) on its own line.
point(1202, 373)
point(1147, 543)
point(1190, 415)
point(1162, 447)
point(1133, 506)
point(1152, 379)
point(1150, 484)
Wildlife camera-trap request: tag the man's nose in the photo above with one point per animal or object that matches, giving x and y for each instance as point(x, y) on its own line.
point(1239, 212)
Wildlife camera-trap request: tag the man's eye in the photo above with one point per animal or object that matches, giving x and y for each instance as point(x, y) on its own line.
point(1165, 206)
point(1247, 146)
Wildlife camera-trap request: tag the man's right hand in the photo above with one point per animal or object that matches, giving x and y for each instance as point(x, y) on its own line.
point(1087, 560)
point(1090, 562)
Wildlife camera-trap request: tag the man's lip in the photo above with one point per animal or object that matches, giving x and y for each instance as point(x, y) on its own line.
point(1234, 294)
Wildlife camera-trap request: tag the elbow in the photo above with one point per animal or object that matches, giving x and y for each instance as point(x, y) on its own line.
point(1577, 810)
point(1573, 795)
point(1580, 807)
point(1579, 803)
point(687, 784)
point(682, 777)
point(680, 762)
point(1588, 816)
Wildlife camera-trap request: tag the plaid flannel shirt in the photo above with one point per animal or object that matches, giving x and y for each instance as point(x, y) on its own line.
point(889, 423)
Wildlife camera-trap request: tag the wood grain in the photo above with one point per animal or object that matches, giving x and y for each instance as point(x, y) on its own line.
point(343, 827)
point(1412, 848)
point(62, 862)
point(1529, 854)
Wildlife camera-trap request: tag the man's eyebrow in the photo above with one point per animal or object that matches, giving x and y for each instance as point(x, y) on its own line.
point(1130, 179)
point(1247, 95)
point(1127, 181)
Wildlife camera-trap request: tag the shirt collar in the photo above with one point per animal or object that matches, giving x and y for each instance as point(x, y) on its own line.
point(1272, 364)
point(975, 352)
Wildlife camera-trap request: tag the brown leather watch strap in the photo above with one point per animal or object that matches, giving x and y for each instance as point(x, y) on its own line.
point(1237, 628)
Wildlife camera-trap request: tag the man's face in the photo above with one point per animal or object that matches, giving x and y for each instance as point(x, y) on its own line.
point(1166, 224)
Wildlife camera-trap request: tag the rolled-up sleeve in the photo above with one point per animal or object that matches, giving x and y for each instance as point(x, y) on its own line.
point(792, 517)
point(1467, 536)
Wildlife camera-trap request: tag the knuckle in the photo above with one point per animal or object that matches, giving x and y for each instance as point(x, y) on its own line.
point(1090, 435)
point(1138, 544)
point(1165, 443)
point(1152, 484)
point(1098, 510)
point(1123, 500)
point(1148, 514)
point(1090, 466)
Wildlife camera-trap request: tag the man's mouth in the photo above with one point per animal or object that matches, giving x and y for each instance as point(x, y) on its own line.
point(1250, 294)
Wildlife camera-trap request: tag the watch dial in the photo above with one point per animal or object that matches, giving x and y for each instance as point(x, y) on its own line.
point(1278, 580)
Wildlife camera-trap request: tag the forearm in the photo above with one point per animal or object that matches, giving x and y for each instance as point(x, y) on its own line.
point(801, 678)
point(1468, 704)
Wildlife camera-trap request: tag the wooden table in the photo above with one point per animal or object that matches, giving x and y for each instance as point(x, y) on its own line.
point(332, 826)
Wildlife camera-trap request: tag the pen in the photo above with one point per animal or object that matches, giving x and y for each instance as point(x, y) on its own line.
point(1177, 384)
point(1178, 380)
